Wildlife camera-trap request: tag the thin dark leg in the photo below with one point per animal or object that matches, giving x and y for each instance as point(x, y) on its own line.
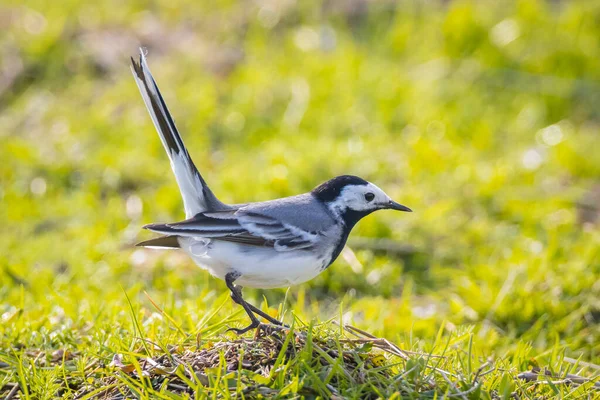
point(265, 315)
point(236, 295)
point(254, 309)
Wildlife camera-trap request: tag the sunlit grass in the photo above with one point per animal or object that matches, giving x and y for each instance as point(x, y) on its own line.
point(482, 118)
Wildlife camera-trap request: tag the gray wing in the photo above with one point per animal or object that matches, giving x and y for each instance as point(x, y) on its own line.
point(285, 224)
point(302, 211)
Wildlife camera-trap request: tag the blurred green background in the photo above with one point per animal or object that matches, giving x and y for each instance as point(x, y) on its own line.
point(483, 117)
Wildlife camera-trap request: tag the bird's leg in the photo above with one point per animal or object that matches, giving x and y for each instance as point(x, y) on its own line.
point(265, 315)
point(236, 295)
point(254, 309)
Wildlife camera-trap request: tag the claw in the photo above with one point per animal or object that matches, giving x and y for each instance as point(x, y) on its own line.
point(270, 329)
point(239, 331)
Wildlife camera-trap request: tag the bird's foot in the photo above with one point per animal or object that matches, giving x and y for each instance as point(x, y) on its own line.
point(270, 329)
point(238, 331)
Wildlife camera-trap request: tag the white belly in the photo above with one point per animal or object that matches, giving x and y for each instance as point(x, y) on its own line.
point(260, 267)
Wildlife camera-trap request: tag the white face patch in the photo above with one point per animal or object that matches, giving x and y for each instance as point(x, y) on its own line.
point(359, 198)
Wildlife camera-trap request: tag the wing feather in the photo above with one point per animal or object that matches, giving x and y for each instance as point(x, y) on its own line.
point(163, 242)
point(241, 227)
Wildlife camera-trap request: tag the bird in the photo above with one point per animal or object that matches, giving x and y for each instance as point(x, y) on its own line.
point(269, 244)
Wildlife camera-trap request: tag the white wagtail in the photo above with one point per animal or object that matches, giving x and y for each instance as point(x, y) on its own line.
point(270, 244)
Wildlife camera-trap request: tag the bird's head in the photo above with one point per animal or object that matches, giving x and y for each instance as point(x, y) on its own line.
point(352, 198)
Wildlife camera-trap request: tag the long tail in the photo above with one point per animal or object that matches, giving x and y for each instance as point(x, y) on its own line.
point(197, 196)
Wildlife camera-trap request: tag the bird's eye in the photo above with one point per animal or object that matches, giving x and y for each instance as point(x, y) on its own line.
point(369, 196)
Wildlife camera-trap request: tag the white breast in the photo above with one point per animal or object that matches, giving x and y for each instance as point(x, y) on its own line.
point(260, 267)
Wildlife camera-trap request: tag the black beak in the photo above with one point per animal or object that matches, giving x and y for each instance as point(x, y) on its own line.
point(392, 205)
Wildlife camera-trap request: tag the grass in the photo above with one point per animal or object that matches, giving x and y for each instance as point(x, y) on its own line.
point(482, 117)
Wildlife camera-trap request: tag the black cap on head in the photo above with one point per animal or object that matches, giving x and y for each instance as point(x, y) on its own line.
point(330, 190)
